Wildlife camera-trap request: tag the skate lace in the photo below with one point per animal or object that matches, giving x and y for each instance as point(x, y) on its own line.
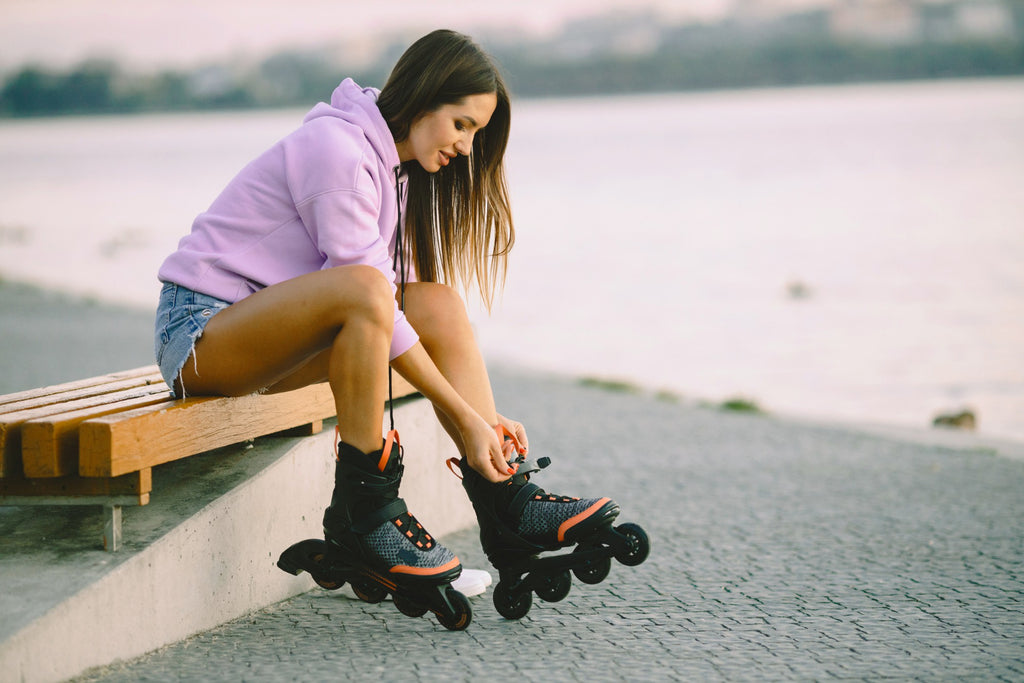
point(548, 498)
point(410, 528)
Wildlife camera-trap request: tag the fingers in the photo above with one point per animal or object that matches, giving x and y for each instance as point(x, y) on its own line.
point(485, 453)
point(501, 464)
point(518, 431)
point(492, 465)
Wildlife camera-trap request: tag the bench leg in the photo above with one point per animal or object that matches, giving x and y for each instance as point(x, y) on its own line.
point(111, 527)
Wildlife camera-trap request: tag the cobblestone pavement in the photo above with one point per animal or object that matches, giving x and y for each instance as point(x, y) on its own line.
point(779, 551)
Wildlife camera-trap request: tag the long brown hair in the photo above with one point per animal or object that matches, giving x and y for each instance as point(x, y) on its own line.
point(459, 221)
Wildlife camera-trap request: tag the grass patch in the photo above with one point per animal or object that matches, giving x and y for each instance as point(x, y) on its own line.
point(613, 385)
point(740, 405)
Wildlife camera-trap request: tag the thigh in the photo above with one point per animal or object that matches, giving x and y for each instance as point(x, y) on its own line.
point(282, 330)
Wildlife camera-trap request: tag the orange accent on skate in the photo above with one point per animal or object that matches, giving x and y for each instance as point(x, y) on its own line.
point(453, 467)
point(390, 585)
point(576, 519)
point(425, 571)
point(385, 454)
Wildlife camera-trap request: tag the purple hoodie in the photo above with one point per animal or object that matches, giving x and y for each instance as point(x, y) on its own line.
point(326, 195)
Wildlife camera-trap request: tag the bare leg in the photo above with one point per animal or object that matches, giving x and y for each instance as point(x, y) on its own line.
point(438, 315)
point(335, 322)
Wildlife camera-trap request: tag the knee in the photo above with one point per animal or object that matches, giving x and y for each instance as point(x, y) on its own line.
point(368, 295)
point(436, 311)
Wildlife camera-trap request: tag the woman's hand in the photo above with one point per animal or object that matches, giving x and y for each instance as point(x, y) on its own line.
point(484, 451)
point(518, 430)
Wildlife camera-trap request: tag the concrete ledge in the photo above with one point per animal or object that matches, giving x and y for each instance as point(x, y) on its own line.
point(202, 553)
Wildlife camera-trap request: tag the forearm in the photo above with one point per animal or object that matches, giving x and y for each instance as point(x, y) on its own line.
point(416, 366)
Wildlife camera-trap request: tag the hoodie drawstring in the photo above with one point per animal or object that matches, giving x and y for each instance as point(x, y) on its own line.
point(398, 265)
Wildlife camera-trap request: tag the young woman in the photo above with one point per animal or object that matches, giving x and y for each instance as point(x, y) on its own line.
point(335, 253)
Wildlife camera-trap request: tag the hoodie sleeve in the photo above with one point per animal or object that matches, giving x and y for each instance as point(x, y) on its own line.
point(338, 195)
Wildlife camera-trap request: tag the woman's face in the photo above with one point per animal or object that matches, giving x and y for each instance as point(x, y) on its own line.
point(435, 138)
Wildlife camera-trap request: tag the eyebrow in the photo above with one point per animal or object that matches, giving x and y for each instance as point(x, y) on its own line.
point(471, 120)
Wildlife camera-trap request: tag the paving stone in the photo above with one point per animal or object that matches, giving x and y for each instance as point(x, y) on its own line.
point(780, 551)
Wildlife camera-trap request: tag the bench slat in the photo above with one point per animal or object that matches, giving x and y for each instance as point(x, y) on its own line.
point(11, 423)
point(116, 444)
point(82, 393)
point(77, 385)
point(49, 445)
point(20, 491)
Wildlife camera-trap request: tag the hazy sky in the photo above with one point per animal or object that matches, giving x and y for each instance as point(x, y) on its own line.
point(184, 32)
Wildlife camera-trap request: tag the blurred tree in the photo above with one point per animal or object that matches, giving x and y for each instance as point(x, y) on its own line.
point(31, 91)
point(89, 88)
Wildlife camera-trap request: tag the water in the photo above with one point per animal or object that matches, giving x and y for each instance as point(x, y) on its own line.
point(849, 253)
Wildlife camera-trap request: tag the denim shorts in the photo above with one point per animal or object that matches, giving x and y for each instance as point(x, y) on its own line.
point(181, 317)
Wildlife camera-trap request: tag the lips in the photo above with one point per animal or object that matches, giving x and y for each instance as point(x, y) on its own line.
point(445, 158)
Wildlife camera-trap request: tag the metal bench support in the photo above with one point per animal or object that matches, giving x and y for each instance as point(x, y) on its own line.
point(111, 510)
point(111, 527)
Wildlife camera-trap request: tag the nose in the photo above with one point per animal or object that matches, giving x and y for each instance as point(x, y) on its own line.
point(464, 145)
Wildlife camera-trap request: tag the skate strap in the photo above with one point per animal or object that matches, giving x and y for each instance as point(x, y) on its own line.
point(453, 466)
point(385, 454)
point(525, 466)
point(373, 520)
point(522, 497)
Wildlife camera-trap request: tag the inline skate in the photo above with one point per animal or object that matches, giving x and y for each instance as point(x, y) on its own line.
point(519, 520)
point(376, 545)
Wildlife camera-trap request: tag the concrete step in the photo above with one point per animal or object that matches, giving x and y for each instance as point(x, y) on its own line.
point(201, 553)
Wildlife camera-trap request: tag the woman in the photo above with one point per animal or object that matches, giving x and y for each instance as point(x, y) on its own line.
point(323, 261)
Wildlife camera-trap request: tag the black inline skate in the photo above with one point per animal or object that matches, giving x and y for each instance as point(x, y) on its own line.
point(375, 544)
point(518, 521)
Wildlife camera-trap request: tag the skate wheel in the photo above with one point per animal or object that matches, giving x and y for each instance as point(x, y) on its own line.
point(637, 545)
point(553, 587)
point(328, 584)
point(508, 604)
point(409, 607)
point(368, 591)
point(309, 556)
point(462, 613)
point(593, 571)
point(324, 582)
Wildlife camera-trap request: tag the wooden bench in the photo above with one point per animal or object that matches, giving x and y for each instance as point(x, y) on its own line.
point(95, 441)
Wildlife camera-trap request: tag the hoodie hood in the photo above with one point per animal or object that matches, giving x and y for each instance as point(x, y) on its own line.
point(358, 106)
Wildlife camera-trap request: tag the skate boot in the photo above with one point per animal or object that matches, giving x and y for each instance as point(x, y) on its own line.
point(518, 521)
point(375, 544)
